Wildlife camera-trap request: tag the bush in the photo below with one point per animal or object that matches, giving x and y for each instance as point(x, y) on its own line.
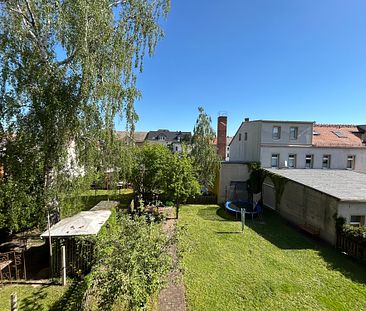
point(132, 259)
point(357, 234)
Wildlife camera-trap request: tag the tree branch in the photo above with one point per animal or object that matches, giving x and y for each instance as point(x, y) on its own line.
point(30, 23)
point(116, 2)
point(67, 60)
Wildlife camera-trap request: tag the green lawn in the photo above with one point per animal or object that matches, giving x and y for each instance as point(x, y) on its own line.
point(31, 297)
point(44, 297)
point(271, 266)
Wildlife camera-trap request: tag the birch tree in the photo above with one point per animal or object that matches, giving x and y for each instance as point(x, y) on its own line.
point(67, 69)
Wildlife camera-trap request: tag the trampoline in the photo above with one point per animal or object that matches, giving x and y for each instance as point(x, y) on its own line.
point(238, 198)
point(236, 206)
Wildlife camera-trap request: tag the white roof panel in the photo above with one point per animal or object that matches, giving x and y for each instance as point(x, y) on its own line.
point(83, 223)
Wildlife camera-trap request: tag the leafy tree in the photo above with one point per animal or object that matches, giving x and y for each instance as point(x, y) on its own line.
point(152, 168)
point(157, 169)
point(67, 68)
point(205, 159)
point(182, 180)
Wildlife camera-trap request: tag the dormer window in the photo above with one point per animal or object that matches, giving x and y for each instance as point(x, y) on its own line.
point(161, 137)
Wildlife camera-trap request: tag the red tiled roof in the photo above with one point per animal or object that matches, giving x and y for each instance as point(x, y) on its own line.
point(337, 135)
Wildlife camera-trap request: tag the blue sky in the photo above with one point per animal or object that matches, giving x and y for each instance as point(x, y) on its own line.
point(262, 59)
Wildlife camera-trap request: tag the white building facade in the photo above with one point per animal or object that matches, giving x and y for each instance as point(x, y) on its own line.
point(301, 145)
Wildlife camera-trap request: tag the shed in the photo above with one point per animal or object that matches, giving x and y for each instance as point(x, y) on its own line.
point(316, 197)
point(69, 232)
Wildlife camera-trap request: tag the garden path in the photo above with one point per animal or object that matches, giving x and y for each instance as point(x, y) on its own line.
point(173, 296)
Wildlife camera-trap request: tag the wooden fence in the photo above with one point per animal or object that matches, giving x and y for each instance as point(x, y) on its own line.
point(351, 247)
point(79, 256)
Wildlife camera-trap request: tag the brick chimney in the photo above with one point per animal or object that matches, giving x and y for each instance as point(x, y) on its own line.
point(221, 136)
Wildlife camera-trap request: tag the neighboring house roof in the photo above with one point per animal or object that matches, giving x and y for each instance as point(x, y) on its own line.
point(337, 135)
point(137, 137)
point(349, 186)
point(169, 136)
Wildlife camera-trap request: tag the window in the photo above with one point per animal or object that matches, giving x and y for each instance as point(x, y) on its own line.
point(239, 136)
point(245, 136)
point(293, 132)
point(161, 137)
point(291, 161)
point(357, 221)
point(176, 148)
point(339, 134)
point(326, 161)
point(351, 162)
point(275, 160)
point(276, 132)
point(309, 160)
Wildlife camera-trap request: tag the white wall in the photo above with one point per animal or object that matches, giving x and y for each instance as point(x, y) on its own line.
point(305, 133)
point(338, 156)
point(246, 150)
point(346, 209)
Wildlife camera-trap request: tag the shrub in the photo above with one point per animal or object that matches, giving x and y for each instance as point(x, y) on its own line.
point(132, 259)
point(357, 234)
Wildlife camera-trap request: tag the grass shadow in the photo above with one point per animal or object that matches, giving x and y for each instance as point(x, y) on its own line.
point(351, 268)
point(72, 299)
point(207, 214)
point(285, 235)
point(34, 302)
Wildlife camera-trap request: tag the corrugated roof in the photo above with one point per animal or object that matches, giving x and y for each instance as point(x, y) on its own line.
point(349, 186)
point(83, 223)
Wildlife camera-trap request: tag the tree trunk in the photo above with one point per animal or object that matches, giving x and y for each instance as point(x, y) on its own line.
point(177, 210)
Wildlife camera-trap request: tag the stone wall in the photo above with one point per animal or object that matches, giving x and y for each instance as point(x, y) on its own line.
point(304, 206)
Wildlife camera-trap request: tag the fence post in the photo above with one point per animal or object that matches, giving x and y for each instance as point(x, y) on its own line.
point(242, 212)
point(63, 265)
point(13, 302)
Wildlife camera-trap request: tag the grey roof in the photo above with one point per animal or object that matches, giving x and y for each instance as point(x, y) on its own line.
point(83, 223)
point(170, 136)
point(349, 186)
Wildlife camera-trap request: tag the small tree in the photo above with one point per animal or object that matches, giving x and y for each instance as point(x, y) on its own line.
point(182, 183)
point(158, 169)
point(205, 159)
